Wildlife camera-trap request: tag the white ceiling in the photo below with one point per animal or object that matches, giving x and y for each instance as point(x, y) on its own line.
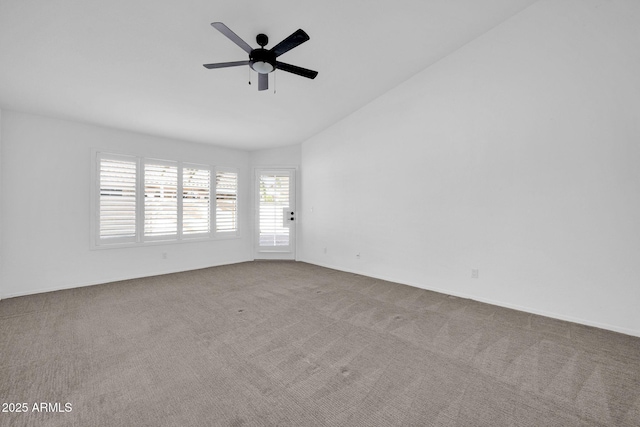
point(137, 64)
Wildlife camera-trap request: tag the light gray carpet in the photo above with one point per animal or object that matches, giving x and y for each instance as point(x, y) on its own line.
point(292, 344)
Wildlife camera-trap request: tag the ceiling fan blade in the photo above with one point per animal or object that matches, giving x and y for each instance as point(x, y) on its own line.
point(295, 39)
point(310, 74)
point(263, 81)
point(226, 64)
point(232, 36)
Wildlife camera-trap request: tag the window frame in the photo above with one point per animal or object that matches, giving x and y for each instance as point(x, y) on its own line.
point(140, 239)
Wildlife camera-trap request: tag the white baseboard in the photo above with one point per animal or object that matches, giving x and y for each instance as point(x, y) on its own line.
point(531, 310)
point(114, 279)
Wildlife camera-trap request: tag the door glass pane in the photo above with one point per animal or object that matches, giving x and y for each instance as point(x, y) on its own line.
point(274, 198)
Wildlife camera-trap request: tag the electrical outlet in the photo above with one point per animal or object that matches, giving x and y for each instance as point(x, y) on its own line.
point(164, 255)
point(475, 273)
point(325, 251)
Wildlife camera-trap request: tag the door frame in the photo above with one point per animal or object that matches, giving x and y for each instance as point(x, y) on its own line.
point(294, 196)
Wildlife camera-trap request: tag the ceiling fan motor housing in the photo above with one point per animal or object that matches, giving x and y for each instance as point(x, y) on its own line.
point(262, 40)
point(262, 60)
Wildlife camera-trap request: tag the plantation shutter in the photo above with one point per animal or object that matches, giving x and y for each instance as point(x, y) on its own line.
point(117, 201)
point(273, 199)
point(226, 201)
point(137, 200)
point(196, 200)
point(160, 200)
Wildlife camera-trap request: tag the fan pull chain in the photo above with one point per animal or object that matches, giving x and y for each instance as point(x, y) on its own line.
point(249, 75)
point(274, 81)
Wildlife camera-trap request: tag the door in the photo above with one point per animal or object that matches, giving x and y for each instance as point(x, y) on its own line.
point(275, 214)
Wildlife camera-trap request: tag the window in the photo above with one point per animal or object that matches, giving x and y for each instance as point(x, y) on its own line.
point(196, 201)
point(160, 200)
point(226, 201)
point(117, 182)
point(145, 200)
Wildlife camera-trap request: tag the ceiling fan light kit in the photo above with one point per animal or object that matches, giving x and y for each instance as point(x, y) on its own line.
point(261, 60)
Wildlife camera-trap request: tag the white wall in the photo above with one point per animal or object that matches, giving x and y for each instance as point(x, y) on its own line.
point(290, 155)
point(46, 172)
point(517, 155)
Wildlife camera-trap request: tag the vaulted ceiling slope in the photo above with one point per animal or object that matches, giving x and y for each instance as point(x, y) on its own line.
point(137, 64)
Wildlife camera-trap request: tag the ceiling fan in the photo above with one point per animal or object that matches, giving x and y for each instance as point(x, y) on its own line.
point(262, 60)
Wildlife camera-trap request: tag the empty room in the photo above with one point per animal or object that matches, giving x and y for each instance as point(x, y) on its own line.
point(339, 213)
